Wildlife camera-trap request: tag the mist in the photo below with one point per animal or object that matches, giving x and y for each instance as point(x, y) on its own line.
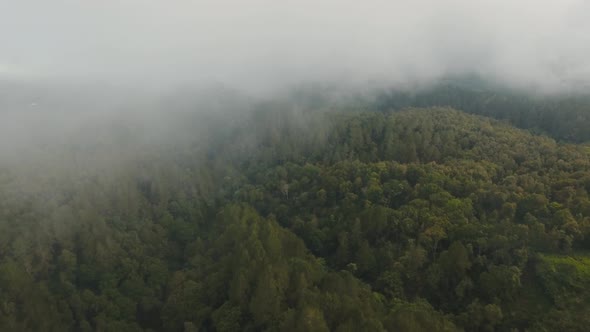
point(71, 71)
point(260, 46)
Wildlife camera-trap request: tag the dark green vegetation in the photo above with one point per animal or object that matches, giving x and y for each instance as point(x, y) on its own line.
point(564, 117)
point(419, 220)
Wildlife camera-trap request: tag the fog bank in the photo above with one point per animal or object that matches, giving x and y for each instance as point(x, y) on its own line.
point(259, 45)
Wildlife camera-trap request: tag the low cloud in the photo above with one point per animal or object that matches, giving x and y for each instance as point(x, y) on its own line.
point(259, 45)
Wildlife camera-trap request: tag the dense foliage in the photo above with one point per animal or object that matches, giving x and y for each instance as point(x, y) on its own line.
point(418, 220)
point(564, 117)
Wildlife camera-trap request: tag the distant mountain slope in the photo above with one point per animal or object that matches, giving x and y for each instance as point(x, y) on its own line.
point(562, 116)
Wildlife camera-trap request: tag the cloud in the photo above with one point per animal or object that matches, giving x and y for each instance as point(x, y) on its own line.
point(261, 44)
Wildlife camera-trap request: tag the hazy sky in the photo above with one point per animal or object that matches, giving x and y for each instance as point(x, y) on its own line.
point(259, 44)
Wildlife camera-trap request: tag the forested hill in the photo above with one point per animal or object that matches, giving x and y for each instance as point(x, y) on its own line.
point(407, 136)
point(565, 117)
point(416, 220)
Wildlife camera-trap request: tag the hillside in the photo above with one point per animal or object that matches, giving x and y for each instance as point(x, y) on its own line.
point(414, 220)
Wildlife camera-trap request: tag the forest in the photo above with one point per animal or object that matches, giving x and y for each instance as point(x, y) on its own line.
point(453, 208)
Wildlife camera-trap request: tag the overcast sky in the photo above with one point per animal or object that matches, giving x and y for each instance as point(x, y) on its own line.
point(259, 44)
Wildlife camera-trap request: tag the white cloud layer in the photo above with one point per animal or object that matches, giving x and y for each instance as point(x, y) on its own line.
point(260, 44)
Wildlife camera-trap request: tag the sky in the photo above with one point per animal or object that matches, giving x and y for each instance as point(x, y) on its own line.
point(264, 44)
